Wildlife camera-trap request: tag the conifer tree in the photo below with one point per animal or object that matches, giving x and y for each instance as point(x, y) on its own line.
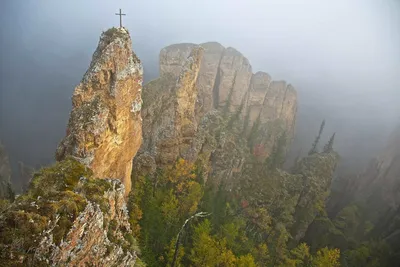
point(277, 157)
point(314, 148)
point(329, 146)
point(253, 133)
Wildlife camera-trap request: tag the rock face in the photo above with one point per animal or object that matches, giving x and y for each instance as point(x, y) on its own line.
point(191, 110)
point(234, 77)
point(169, 111)
point(260, 83)
point(207, 81)
point(173, 57)
point(5, 173)
point(68, 218)
point(104, 130)
point(277, 114)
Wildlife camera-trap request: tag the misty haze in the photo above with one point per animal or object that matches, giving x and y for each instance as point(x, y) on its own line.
point(201, 133)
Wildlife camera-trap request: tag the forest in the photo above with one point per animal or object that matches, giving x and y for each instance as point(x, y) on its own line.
point(267, 217)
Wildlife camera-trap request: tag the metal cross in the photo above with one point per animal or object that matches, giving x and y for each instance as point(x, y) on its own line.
point(120, 17)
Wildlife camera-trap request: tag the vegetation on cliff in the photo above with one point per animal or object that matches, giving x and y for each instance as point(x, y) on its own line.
point(38, 226)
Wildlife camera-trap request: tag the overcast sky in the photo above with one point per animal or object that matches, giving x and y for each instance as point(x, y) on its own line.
point(342, 56)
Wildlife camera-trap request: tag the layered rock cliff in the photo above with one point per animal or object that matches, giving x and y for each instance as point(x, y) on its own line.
point(194, 119)
point(169, 119)
point(226, 80)
point(104, 130)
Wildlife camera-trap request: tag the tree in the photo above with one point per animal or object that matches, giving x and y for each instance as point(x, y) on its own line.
point(329, 146)
point(205, 250)
point(277, 157)
point(176, 253)
point(245, 261)
point(261, 254)
point(326, 258)
point(314, 148)
point(299, 256)
point(251, 139)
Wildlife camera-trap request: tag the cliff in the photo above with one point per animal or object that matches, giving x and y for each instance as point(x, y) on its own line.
point(104, 130)
point(68, 218)
point(169, 119)
point(226, 80)
point(218, 115)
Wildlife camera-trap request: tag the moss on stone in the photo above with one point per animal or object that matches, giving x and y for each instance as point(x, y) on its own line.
point(94, 190)
point(62, 176)
point(55, 198)
point(112, 227)
point(114, 33)
point(132, 245)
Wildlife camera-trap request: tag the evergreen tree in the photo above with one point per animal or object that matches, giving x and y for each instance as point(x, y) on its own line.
point(296, 162)
point(329, 146)
point(314, 148)
point(277, 157)
point(253, 133)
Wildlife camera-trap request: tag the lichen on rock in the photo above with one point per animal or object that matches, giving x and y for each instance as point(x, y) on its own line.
point(64, 219)
point(106, 107)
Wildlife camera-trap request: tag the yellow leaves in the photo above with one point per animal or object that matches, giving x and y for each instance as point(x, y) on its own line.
point(135, 215)
point(170, 251)
point(181, 175)
point(327, 258)
point(245, 261)
point(209, 250)
point(299, 256)
point(226, 258)
point(188, 191)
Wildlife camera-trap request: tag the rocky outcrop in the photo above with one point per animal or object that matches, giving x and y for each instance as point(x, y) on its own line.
point(224, 90)
point(68, 218)
point(104, 130)
point(173, 57)
point(5, 173)
point(225, 81)
point(169, 113)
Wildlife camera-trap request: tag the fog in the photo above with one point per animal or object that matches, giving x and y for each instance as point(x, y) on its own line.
point(342, 56)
